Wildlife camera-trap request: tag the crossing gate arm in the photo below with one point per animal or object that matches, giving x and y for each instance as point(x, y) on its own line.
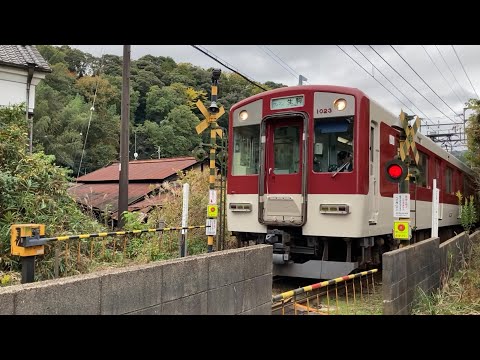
point(36, 240)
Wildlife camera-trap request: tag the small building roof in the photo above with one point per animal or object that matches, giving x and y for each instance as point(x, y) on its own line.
point(141, 170)
point(21, 55)
point(104, 196)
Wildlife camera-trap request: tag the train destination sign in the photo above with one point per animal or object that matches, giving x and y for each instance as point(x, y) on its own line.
point(287, 102)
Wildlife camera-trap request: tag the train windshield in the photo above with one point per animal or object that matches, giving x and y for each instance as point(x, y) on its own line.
point(333, 144)
point(246, 141)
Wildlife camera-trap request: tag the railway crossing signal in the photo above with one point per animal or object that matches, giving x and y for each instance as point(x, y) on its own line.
point(395, 170)
point(409, 143)
point(210, 119)
point(211, 116)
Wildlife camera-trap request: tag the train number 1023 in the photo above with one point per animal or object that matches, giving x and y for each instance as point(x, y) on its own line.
point(324, 111)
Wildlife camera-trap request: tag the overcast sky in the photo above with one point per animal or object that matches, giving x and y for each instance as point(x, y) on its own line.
point(327, 64)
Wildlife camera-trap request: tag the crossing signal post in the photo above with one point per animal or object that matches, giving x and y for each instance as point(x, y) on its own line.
point(398, 171)
point(211, 116)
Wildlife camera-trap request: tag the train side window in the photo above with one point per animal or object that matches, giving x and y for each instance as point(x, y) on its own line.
point(438, 173)
point(421, 170)
point(459, 181)
point(422, 175)
point(246, 150)
point(448, 180)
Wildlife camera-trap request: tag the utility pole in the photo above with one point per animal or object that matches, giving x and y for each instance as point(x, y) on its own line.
point(124, 137)
point(31, 70)
point(158, 152)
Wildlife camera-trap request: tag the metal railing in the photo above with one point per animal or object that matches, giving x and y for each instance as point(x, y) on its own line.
point(342, 295)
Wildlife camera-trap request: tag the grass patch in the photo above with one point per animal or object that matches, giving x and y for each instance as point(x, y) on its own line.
point(460, 294)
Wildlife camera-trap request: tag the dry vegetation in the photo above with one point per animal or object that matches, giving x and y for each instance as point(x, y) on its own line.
point(460, 294)
point(87, 255)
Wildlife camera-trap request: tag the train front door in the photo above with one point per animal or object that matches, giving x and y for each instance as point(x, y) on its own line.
point(283, 179)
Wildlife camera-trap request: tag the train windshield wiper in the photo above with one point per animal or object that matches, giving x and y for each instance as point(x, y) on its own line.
point(340, 169)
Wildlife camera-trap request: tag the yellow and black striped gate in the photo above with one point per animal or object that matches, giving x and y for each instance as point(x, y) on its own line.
point(347, 295)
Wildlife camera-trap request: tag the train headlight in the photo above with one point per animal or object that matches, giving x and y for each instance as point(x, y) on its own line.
point(243, 115)
point(340, 104)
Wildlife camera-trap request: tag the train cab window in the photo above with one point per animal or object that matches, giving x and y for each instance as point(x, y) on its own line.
point(246, 141)
point(333, 144)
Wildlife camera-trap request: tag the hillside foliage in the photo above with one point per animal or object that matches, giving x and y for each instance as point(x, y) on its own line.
point(162, 102)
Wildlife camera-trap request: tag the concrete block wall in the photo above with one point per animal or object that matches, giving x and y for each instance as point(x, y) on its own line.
point(454, 253)
point(406, 269)
point(420, 266)
point(225, 283)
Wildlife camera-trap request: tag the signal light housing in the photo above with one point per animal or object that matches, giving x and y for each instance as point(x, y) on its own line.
point(395, 170)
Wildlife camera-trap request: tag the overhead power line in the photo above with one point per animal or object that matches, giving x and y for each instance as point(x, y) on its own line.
point(451, 72)
point(460, 61)
point(264, 49)
point(215, 58)
point(92, 109)
point(421, 78)
point(282, 62)
point(410, 84)
point(395, 96)
point(425, 116)
point(444, 78)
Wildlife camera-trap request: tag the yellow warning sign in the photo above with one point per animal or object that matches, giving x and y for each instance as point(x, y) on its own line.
point(401, 230)
point(212, 211)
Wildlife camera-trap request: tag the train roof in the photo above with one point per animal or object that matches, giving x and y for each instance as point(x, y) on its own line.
point(425, 141)
point(327, 88)
point(428, 143)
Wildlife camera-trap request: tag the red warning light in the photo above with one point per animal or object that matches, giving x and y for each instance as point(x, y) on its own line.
point(395, 171)
point(401, 227)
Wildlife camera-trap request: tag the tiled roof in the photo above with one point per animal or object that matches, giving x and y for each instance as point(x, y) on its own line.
point(141, 170)
point(105, 196)
point(145, 205)
point(21, 56)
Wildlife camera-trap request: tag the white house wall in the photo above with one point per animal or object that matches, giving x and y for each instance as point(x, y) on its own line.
point(13, 86)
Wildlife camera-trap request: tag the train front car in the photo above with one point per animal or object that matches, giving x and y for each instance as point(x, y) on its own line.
point(302, 178)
